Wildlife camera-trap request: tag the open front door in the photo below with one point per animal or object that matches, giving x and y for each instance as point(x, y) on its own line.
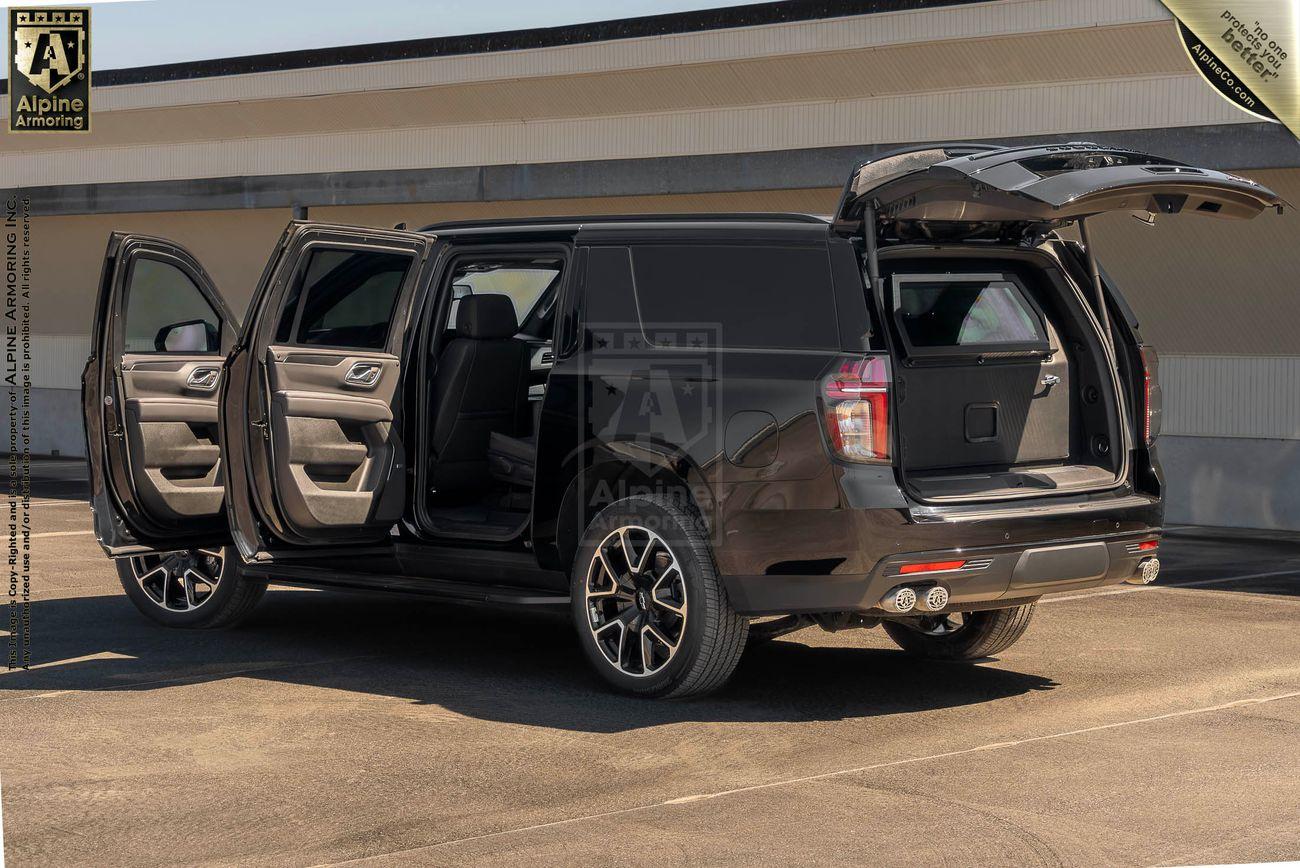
point(313, 413)
point(149, 399)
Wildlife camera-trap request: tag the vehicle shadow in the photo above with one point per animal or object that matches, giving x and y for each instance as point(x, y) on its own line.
point(59, 479)
point(1201, 556)
point(516, 667)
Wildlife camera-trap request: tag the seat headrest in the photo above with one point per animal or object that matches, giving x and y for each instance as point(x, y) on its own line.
point(486, 317)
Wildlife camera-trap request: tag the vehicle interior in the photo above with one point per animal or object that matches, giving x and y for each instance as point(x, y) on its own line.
point(1006, 390)
point(490, 353)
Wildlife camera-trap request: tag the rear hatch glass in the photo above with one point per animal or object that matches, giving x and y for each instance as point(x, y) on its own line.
point(978, 313)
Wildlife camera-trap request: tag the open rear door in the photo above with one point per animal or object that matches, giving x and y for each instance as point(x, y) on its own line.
point(313, 414)
point(977, 191)
point(149, 400)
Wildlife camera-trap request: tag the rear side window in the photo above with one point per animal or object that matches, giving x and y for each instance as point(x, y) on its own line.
point(166, 312)
point(967, 311)
point(764, 297)
point(345, 299)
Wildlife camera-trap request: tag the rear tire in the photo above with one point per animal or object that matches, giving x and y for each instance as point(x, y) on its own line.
point(651, 613)
point(975, 636)
point(197, 589)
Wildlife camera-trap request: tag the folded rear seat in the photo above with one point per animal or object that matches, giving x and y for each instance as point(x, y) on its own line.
point(511, 459)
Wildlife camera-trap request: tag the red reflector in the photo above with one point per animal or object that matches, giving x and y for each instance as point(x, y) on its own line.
point(937, 566)
point(1149, 545)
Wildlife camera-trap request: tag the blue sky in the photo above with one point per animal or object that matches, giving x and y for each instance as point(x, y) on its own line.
point(128, 33)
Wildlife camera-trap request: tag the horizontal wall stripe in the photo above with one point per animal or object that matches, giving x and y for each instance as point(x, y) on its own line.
point(1222, 146)
point(514, 40)
point(1231, 396)
point(1172, 101)
point(835, 34)
point(915, 67)
point(57, 360)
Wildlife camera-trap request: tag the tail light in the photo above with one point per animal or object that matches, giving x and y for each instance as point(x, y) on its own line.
point(855, 397)
point(1151, 397)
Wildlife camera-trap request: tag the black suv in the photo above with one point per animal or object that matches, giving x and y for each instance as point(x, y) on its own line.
point(924, 412)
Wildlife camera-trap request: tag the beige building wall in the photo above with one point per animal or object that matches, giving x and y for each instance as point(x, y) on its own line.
point(1200, 286)
point(1207, 286)
point(68, 253)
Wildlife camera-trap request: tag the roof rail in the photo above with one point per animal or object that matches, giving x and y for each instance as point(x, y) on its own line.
point(740, 216)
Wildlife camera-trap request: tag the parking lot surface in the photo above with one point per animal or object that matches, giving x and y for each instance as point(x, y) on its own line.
point(1131, 725)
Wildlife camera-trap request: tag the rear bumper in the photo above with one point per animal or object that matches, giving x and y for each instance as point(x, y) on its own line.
point(1030, 561)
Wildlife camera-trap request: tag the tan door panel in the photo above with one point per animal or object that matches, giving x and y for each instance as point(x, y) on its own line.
point(332, 418)
point(171, 412)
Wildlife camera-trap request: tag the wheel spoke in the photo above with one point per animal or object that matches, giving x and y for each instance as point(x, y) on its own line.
point(599, 562)
point(637, 567)
point(191, 593)
point(670, 604)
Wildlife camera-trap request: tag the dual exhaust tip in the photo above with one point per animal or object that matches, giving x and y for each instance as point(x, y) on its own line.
point(933, 598)
point(1147, 571)
point(906, 598)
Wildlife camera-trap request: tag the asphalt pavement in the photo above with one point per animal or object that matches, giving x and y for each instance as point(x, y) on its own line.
point(1138, 726)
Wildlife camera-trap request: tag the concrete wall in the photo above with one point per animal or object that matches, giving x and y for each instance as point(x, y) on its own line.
point(1232, 482)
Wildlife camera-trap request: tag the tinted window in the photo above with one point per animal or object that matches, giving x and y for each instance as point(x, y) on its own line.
point(607, 297)
point(166, 312)
point(348, 298)
point(779, 297)
point(966, 312)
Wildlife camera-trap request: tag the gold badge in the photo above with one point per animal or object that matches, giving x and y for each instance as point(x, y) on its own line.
point(1246, 50)
point(49, 70)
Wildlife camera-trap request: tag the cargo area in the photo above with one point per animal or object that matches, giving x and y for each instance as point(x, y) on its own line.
point(1003, 388)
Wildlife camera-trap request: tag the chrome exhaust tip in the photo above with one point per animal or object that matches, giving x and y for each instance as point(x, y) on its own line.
point(1147, 572)
point(932, 599)
point(901, 600)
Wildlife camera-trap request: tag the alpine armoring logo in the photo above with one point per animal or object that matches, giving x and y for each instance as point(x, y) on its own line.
point(49, 70)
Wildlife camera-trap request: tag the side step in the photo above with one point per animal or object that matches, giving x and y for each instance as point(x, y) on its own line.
point(440, 588)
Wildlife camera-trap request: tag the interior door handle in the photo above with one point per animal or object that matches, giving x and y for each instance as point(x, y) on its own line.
point(203, 379)
point(364, 374)
point(1051, 380)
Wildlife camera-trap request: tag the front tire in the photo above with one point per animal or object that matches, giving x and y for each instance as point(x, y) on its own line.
point(652, 614)
point(194, 589)
point(961, 635)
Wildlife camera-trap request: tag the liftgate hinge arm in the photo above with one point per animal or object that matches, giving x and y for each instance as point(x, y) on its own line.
point(873, 256)
point(1094, 273)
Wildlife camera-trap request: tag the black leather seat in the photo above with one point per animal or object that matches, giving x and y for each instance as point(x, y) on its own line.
point(512, 460)
point(481, 386)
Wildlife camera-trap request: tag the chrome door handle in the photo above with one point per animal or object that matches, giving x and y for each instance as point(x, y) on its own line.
point(203, 379)
point(1051, 380)
point(364, 374)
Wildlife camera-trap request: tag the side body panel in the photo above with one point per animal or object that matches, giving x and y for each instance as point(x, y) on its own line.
point(635, 406)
